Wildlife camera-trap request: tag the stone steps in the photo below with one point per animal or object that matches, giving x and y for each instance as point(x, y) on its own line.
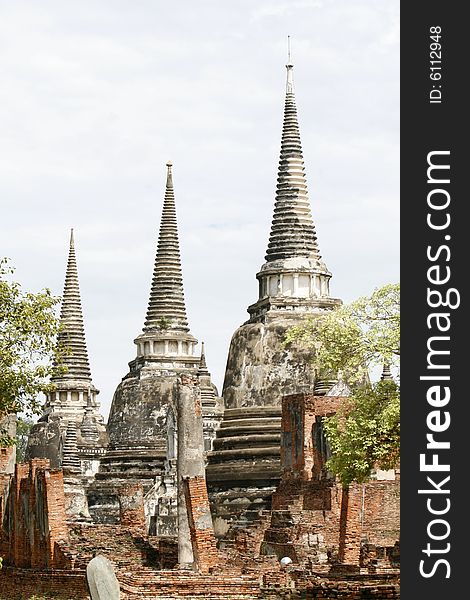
point(244, 420)
point(236, 443)
point(247, 412)
point(244, 453)
point(254, 426)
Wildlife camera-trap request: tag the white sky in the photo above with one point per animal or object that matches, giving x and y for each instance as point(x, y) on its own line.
point(95, 97)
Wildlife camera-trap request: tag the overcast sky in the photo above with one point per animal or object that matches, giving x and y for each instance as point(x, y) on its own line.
point(96, 96)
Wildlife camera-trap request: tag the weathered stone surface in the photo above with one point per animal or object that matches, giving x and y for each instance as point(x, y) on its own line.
point(140, 410)
point(44, 442)
point(75, 398)
point(190, 462)
point(142, 428)
point(260, 370)
point(102, 580)
point(293, 284)
point(72, 334)
point(70, 458)
point(142, 424)
point(212, 404)
point(292, 229)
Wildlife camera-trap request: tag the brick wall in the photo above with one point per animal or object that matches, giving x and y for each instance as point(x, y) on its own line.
point(350, 525)
point(200, 523)
point(299, 456)
point(34, 515)
point(315, 521)
point(16, 584)
point(338, 590)
point(224, 584)
point(381, 520)
point(188, 584)
point(131, 508)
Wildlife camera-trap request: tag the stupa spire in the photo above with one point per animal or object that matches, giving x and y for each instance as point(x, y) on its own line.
point(72, 334)
point(166, 309)
point(386, 372)
point(292, 230)
point(203, 365)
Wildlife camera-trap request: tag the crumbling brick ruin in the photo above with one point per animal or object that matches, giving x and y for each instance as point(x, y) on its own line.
point(341, 541)
point(314, 520)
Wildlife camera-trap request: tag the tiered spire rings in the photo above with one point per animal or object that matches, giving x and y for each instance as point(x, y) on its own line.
point(72, 334)
point(167, 308)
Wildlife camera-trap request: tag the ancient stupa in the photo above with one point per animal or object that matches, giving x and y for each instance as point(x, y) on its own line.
point(142, 423)
point(244, 467)
point(75, 397)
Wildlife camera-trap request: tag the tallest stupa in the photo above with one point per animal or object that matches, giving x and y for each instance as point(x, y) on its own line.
point(244, 467)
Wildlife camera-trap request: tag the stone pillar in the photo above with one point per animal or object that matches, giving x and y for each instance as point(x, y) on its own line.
point(190, 460)
point(295, 289)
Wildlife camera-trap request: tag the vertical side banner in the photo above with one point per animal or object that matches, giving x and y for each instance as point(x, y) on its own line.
point(435, 323)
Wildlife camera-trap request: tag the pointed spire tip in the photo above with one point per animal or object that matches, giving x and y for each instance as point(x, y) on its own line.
point(289, 60)
point(72, 334)
point(290, 68)
point(169, 174)
point(166, 308)
point(203, 365)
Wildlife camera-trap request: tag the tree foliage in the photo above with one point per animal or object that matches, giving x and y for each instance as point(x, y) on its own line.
point(350, 341)
point(23, 427)
point(365, 433)
point(28, 353)
point(355, 337)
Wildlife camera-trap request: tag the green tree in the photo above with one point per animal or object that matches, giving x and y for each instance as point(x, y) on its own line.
point(365, 433)
point(28, 353)
point(351, 341)
point(23, 427)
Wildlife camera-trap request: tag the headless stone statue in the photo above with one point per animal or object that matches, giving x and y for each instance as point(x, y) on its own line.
point(102, 581)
